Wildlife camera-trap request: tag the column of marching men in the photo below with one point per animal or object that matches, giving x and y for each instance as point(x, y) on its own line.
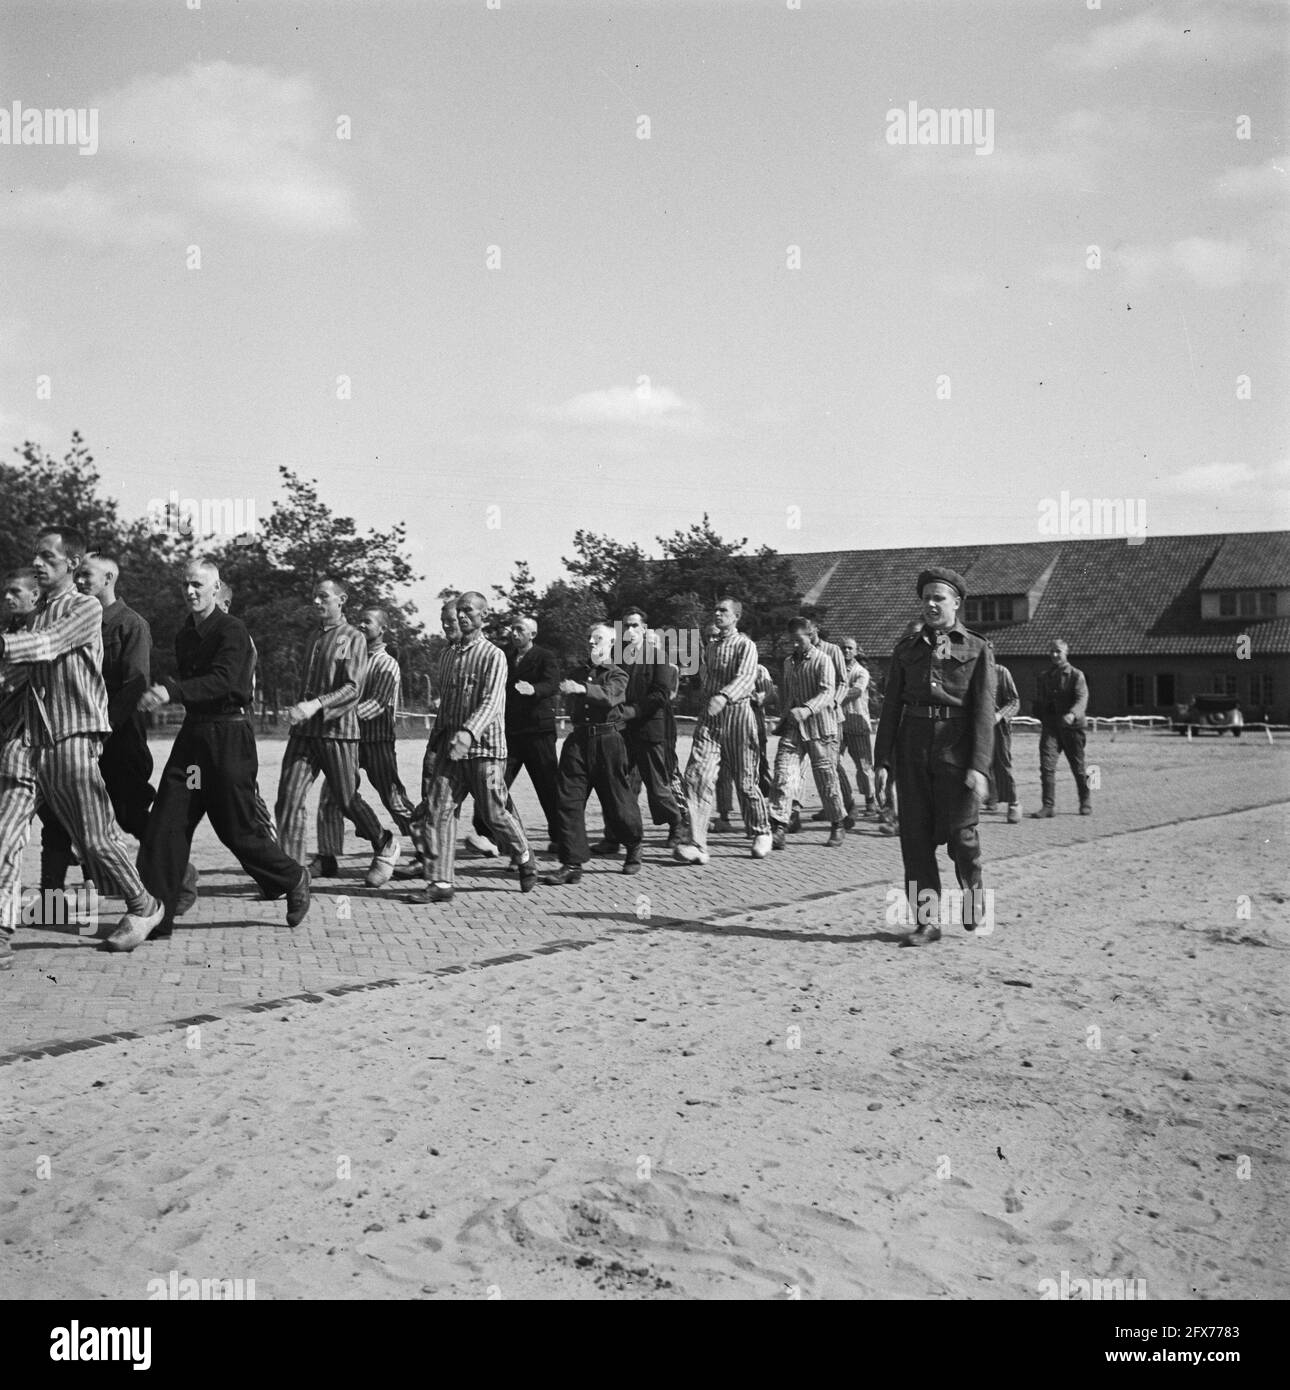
point(76, 687)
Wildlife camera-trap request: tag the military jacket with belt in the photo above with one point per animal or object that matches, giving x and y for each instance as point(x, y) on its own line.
point(953, 671)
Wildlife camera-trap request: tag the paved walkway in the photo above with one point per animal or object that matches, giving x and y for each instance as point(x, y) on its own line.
point(233, 952)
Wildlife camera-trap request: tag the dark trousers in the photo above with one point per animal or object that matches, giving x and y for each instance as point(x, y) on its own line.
point(937, 807)
point(126, 767)
point(1003, 786)
point(652, 766)
point(533, 753)
point(595, 759)
point(211, 771)
point(1055, 739)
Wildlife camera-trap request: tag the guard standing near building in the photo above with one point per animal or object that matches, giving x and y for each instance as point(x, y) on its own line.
point(595, 756)
point(214, 661)
point(1003, 786)
point(1061, 699)
point(937, 734)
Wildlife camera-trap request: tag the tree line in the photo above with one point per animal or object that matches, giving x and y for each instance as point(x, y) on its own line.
point(273, 572)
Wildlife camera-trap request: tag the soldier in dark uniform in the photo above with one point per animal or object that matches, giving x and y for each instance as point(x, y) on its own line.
point(937, 733)
point(595, 755)
point(1061, 697)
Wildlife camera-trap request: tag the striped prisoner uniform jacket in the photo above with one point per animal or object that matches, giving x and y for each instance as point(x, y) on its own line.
point(380, 696)
point(834, 655)
point(730, 670)
point(808, 684)
point(855, 712)
point(335, 666)
point(62, 647)
point(472, 684)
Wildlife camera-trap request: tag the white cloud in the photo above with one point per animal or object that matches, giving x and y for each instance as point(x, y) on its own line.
point(244, 140)
point(1267, 180)
point(1222, 480)
point(1176, 35)
point(234, 141)
point(656, 406)
point(85, 212)
point(1210, 262)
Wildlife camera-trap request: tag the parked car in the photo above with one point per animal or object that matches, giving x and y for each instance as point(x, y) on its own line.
point(1216, 712)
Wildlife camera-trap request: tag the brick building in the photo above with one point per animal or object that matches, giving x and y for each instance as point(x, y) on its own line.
point(1150, 624)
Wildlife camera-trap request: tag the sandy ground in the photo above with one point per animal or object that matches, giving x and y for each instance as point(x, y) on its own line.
point(784, 1105)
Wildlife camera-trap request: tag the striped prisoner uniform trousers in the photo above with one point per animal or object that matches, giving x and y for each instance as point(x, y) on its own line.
point(472, 679)
point(377, 755)
point(54, 762)
point(808, 684)
point(725, 781)
point(728, 738)
point(857, 731)
point(335, 666)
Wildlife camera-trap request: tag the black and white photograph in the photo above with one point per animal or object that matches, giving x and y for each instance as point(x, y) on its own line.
point(644, 656)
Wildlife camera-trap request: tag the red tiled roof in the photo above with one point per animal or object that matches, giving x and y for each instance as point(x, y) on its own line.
point(1105, 596)
point(1251, 561)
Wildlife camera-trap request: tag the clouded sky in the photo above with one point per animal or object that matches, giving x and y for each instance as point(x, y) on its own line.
point(504, 272)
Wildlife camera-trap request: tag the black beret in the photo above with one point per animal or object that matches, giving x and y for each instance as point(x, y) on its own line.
point(938, 574)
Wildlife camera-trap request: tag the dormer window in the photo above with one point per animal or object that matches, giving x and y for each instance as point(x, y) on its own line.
point(1247, 603)
point(984, 609)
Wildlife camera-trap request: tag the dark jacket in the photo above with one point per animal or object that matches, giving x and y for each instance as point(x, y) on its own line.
point(963, 679)
point(127, 660)
point(1058, 691)
point(603, 701)
point(216, 662)
point(532, 714)
point(651, 686)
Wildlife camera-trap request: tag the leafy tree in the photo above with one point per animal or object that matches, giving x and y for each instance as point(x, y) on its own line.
point(275, 572)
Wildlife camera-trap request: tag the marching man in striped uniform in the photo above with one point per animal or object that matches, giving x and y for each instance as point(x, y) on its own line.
point(324, 736)
point(65, 722)
point(857, 728)
point(726, 733)
point(377, 754)
point(833, 652)
point(126, 763)
point(809, 729)
point(763, 689)
point(21, 594)
point(467, 754)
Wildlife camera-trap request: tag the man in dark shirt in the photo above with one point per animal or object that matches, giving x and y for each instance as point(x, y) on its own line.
point(649, 727)
point(595, 756)
point(125, 762)
point(1061, 698)
point(937, 733)
point(532, 681)
point(213, 765)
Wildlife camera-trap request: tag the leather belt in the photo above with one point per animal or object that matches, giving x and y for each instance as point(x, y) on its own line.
point(936, 711)
point(224, 717)
point(599, 728)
